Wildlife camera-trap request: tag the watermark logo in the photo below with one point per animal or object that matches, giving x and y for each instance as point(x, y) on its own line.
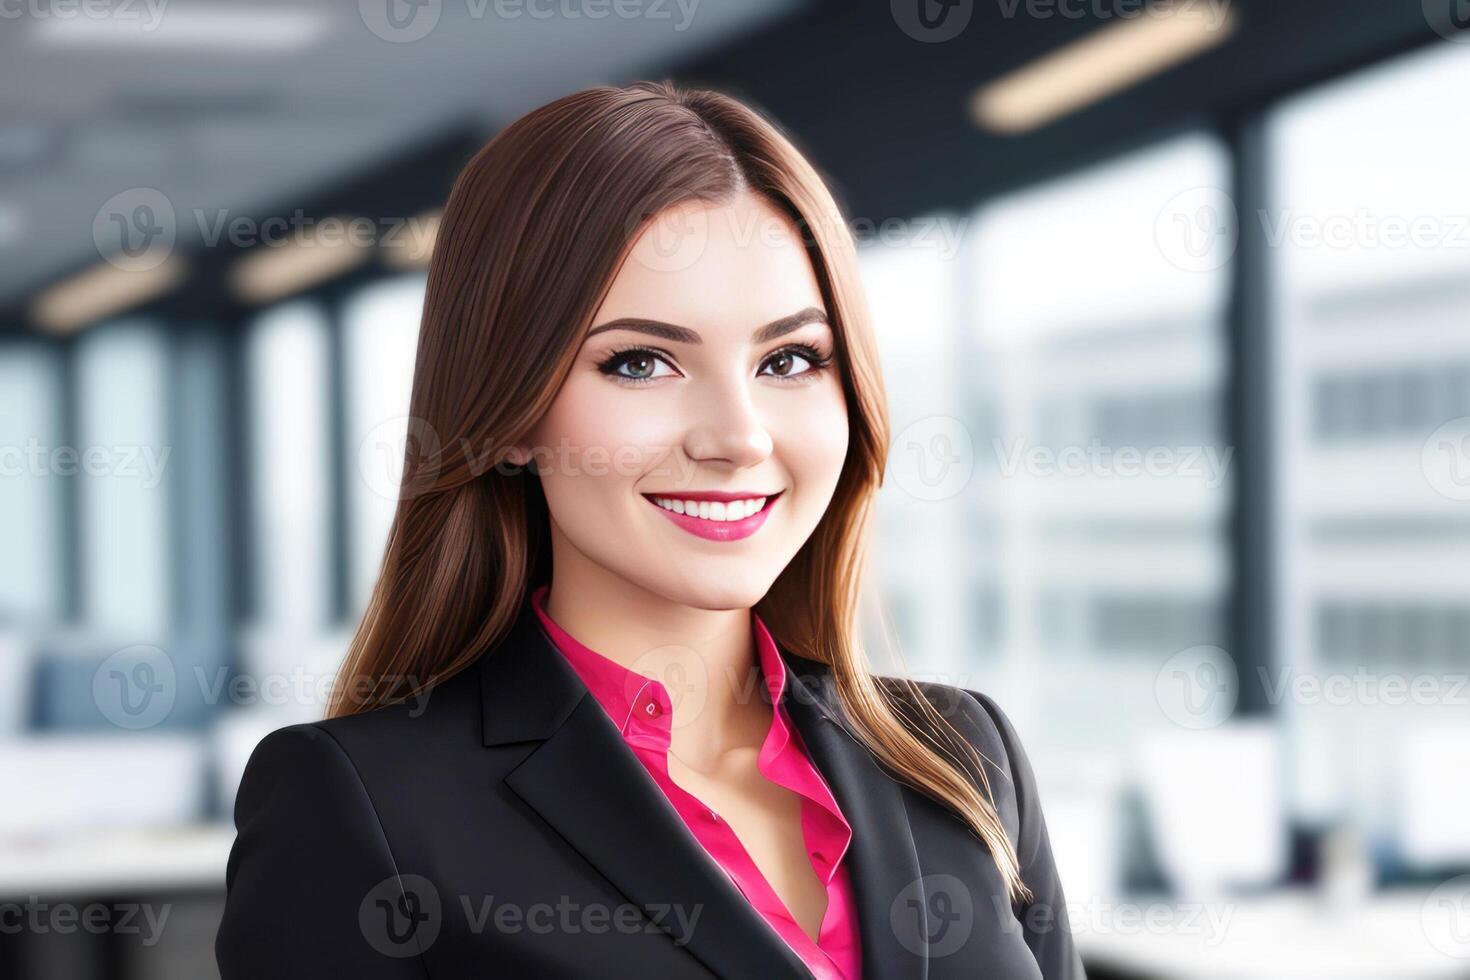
point(668, 239)
point(932, 21)
point(401, 916)
point(146, 15)
point(1210, 465)
point(933, 916)
point(669, 680)
point(1364, 687)
point(569, 917)
point(943, 235)
point(932, 459)
point(1213, 14)
point(1364, 229)
point(679, 12)
point(400, 21)
point(135, 229)
point(135, 687)
point(406, 21)
point(1445, 459)
point(1210, 921)
point(1445, 918)
point(406, 440)
point(1198, 687)
point(1197, 230)
point(38, 918)
point(145, 464)
point(383, 452)
point(1450, 19)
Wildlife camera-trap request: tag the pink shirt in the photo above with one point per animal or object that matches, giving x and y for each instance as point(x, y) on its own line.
point(641, 708)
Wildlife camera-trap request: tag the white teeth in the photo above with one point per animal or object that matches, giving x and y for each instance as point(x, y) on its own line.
point(713, 510)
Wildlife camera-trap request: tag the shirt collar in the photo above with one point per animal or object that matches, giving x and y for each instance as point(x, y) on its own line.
point(641, 709)
point(623, 692)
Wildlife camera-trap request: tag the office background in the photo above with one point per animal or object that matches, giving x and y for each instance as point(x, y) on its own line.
point(1174, 305)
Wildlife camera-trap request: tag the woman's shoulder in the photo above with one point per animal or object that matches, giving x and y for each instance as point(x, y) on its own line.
point(988, 730)
point(360, 744)
point(973, 713)
point(309, 847)
point(300, 763)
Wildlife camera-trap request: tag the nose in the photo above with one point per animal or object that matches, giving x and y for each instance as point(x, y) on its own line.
point(727, 428)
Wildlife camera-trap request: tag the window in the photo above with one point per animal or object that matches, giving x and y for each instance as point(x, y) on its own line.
point(1097, 317)
point(380, 339)
point(911, 274)
point(288, 460)
point(30, 499)
point(122, 385)
point(1058, 484)
point(1369, 220)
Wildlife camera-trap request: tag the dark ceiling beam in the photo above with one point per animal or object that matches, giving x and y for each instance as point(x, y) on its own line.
point(884, 115)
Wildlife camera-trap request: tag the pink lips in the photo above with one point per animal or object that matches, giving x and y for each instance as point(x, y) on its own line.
point(720, 530)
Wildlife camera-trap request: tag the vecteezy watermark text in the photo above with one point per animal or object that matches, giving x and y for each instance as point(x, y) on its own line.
point(36, 917)
point(1209, 464)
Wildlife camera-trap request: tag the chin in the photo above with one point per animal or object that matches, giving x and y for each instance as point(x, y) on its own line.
point(718, 594)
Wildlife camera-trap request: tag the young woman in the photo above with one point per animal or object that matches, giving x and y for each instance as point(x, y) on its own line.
point(607, 713)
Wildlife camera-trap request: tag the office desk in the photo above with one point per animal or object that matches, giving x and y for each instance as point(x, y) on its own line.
point(1287, 934)
point(185, 859)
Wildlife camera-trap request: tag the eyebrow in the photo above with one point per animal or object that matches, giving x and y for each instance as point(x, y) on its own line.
point(683, 335)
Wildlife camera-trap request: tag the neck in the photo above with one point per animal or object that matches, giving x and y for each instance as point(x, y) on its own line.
point(705, 657)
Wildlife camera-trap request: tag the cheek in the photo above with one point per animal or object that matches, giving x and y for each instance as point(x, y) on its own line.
point(596, 435)
point(813, 442)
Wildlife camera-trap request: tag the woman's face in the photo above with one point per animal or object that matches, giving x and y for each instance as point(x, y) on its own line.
point(708, 370)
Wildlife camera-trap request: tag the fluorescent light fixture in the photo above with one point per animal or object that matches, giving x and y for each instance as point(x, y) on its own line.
point(159, 25)
point(102, 291)
point(412, 245)
point(1112, 58)
point(271, 272)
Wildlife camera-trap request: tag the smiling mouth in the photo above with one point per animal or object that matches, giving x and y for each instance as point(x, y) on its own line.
point(716, 520)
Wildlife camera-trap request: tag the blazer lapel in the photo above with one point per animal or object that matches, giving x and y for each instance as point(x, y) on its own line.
point(585, 783)
point(893, 926)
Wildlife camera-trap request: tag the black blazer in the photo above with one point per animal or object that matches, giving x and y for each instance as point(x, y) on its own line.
point(500, 827)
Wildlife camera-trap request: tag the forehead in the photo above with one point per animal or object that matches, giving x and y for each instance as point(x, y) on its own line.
point(715, 268)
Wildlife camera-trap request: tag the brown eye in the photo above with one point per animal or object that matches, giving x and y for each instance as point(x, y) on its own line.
point(792, 362)
point(637, 366)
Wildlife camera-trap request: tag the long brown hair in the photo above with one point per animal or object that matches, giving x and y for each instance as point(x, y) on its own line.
point(532, 235)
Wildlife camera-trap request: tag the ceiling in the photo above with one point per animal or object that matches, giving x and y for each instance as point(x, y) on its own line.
point(234, 106)
point(289, 102)
point(885, 114)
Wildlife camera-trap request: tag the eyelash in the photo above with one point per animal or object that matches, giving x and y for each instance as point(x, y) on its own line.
point(620, 356)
